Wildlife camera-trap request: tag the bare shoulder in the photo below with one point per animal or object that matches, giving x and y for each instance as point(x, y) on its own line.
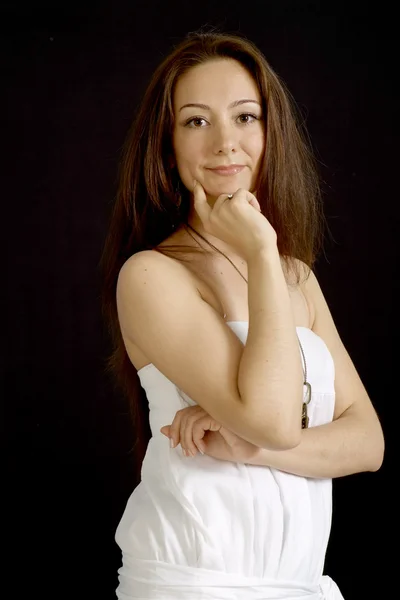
point(152, 287)
point(156, 260)
point(170, 271)
point(163, 314)
point(132, 273)
point(306, 277)
point(298, 274)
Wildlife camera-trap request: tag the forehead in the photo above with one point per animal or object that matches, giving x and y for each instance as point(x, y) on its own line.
point(215, 82)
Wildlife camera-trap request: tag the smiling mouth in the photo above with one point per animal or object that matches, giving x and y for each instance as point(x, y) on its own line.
point(231, 170)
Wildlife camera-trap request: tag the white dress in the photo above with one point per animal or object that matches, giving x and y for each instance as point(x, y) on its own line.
point(203, 529)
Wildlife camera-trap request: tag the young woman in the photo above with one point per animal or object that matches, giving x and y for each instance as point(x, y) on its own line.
point(209, 293)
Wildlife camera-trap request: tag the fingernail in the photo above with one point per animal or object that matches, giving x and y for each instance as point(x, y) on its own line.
point(171, 443)
point(194, 183)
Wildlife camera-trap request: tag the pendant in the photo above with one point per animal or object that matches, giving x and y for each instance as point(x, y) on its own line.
point(304, 415)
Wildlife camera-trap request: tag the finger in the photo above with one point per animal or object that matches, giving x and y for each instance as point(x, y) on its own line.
point(165, 430)
point(193, 416)
point(199, 432)
point(200, 428)
point(245, 195)
point(255, 203)
point(201, 205)
point(187, 432)
point(185, 435)
point(220, 201)
point(174, 432)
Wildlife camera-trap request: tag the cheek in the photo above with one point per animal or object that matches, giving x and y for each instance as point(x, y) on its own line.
point(256, 150)
point(185, 161)
point(256, 145)
point(187, 152)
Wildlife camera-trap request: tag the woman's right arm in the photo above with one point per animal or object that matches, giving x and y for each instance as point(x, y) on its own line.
point(270, 378)
point(255, 391)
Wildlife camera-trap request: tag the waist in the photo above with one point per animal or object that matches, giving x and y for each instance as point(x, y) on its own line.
point(147, 579)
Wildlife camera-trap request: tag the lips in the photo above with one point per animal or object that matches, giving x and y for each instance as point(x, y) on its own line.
point(229, 170)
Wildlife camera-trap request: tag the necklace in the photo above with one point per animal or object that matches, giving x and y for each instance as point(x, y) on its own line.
point(308, 392)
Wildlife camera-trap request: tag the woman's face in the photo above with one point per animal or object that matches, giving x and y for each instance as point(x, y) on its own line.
point(221, 127)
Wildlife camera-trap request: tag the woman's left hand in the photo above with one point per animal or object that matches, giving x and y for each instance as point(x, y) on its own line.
point(195, 430)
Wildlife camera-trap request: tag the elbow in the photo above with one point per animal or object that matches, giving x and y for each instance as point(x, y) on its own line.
point(377, 449)
point(282, 438)
point(288, 432)
point(376, 460)
point(375, 467)
point(275, 430)
point(282, 444)
point(288, 442)
point(375, 463)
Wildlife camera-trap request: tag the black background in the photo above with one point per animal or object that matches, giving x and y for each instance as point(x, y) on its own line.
point(72, 76)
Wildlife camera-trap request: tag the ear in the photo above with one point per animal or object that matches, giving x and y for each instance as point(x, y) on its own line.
point(171, 161)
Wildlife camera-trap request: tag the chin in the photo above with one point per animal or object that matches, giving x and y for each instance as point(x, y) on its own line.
point(227, 187)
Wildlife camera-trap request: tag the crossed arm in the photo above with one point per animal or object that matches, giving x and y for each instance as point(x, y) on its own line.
point(353, 442)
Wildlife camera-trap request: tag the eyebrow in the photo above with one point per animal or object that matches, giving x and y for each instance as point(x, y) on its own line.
point(232, 105)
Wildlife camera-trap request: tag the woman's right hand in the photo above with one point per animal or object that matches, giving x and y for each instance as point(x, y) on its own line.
point(237, 221)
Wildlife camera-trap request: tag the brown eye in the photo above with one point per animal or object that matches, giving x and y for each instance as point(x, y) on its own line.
point(195, 122)
point(247, 118)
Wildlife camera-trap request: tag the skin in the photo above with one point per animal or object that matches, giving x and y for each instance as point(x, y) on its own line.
point(354, 441)
point(228, 131)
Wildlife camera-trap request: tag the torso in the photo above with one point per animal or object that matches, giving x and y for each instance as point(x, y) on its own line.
point(221, 286)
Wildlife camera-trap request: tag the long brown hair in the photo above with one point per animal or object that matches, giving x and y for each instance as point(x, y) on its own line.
point(148, 207)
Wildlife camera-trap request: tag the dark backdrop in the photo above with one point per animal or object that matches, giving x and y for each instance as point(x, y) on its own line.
point(73, 75)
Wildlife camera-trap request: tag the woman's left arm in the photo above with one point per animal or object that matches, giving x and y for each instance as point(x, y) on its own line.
point(354, 441)
point(350, 444)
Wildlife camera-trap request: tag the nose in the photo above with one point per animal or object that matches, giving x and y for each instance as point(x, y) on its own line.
point(225, 139)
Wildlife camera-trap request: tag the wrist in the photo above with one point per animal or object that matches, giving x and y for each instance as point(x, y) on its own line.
point(269, 256)
point(259, 458)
